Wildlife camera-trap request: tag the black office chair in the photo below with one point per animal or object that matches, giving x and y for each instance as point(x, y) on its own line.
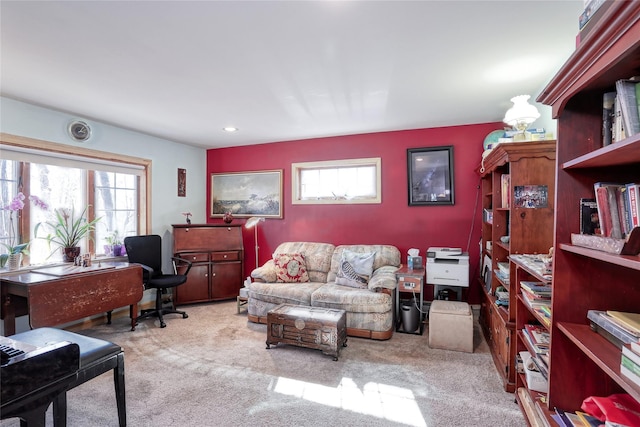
point(147, 251)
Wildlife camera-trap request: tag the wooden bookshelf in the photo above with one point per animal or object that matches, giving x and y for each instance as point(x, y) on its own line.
point(530, 230)
point(582, 363)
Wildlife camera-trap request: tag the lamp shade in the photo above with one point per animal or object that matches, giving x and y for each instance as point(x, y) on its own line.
point(522, 113)
point(253, 221)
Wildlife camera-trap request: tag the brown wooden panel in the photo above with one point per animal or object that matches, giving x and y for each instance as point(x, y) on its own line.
point(207, 237)
point(226, 256)
point(65, 299)
point(226, 278)
point(196, 288)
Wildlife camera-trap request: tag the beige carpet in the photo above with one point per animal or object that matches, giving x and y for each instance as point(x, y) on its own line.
point(213, 369)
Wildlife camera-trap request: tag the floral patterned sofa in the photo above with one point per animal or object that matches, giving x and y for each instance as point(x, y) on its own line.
point(316, 274)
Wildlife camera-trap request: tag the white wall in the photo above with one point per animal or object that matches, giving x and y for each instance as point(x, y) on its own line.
point(22, 119)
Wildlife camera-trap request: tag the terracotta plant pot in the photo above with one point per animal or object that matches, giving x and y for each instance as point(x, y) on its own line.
point(69, 254)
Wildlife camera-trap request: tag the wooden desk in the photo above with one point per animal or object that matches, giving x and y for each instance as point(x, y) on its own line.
point(51, 300)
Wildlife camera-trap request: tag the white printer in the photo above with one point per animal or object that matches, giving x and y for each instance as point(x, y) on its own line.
point(447, 267)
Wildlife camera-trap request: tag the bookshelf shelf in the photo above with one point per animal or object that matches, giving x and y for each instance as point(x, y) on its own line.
point(601, 352)
point(583, 363)
point(620, 153)
point(627, 261)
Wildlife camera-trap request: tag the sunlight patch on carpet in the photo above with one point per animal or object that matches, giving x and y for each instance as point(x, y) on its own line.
point(378, 400)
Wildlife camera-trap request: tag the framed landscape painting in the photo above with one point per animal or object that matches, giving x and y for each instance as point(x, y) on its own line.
point(430, 176)
point(247, 194)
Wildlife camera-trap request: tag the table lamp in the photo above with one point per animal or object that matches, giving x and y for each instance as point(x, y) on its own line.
point(521, 115)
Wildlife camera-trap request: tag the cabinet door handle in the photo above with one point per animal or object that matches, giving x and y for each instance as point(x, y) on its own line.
point(224, 256)
point(194, 258)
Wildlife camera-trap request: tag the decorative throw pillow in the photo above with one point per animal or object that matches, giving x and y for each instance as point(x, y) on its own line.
point(290, 268)
point(355, 269)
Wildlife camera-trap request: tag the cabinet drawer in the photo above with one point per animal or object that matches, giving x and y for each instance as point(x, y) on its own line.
point(225, 256)
point(195, 256)
point(409, 284)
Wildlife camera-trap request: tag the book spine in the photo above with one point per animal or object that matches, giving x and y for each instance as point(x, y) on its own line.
point(626, 90)
point(589, 223)
point(604, 211)
point(608, 101)
point(630, 354)
point(630, 375)
point(634, 206)
point(618, 125)
point(623, 209)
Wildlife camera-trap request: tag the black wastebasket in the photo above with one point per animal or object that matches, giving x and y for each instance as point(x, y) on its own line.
point(410, 315)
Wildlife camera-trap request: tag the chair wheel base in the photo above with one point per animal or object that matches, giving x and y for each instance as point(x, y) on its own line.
point(185, 315)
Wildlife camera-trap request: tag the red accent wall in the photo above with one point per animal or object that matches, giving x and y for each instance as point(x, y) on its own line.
point(393, 221)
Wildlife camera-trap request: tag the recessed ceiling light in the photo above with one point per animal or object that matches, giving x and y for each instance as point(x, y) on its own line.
point(229, 129)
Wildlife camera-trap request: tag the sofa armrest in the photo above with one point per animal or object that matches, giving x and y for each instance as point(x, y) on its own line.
point(265, 273)
point(383, 278)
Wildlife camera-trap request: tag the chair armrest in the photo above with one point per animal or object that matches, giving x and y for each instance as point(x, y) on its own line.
point(182, 261)
point(265, 273)
point(383, 278)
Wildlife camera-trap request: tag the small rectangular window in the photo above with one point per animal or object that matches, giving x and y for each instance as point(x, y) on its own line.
point(337, 181)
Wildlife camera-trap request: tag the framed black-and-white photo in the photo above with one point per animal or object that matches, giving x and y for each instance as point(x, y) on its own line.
point(247, 194)
point(430, 176)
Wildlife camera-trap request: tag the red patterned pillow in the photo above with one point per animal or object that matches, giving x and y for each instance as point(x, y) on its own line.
point(290, 268)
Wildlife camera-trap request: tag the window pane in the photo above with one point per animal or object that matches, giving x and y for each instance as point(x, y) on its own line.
point(8, 190)
point(61, 188)
point(116, 203)
point(344, 182)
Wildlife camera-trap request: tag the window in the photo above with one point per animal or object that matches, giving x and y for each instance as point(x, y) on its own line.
point(112, 187)
point(337, 182)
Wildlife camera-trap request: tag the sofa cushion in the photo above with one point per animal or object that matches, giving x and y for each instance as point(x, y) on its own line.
point(355, 269)
point(386, 255)
point(278, 293)
point(353, 300)
point(317, 257)
point(290, 268)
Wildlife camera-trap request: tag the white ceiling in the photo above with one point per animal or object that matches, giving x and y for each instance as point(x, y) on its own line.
point(281, 70)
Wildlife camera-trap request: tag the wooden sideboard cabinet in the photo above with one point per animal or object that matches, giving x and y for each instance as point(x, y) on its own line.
point(217, 254)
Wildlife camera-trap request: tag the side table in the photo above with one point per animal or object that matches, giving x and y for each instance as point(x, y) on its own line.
point(410, 284)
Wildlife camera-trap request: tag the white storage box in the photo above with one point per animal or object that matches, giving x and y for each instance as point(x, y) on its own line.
point(535, 380)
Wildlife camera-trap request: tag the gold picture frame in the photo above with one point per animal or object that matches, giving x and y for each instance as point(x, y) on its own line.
point(247, 194)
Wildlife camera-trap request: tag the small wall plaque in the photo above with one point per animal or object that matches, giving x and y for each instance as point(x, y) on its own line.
point(182, 182)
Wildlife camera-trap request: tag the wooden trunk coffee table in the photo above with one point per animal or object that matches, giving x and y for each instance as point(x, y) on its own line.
point(310, 327)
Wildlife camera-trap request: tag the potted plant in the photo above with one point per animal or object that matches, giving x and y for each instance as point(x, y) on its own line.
point(14, 249)
point(67, 230)
point(114, 244)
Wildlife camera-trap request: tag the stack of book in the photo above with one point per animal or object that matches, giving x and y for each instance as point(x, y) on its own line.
point(630, 357)
point(610, 325)
point(620, 118)
point(538, 296)
point(630, 362)
point(575, 419)
point(502, 272)
point(618, 208)
point(538, 340)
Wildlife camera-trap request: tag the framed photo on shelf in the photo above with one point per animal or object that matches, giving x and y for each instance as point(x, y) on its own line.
point(247, 194)
point(430, 176)
point(531, 196)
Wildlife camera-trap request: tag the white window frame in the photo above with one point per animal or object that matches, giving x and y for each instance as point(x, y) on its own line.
point(297, 168)
point(29, 149)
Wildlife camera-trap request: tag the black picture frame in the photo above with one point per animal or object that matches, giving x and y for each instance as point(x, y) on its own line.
point(430, 176)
